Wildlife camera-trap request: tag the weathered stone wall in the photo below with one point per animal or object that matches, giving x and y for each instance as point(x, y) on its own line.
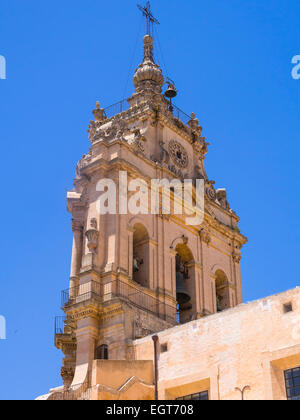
point(250, 345)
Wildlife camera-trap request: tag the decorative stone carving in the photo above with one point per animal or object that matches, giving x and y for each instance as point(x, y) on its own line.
point(176, 171)
point(222, 199)
point(210, 190)
point(115, 130)
point(67, 374)
point(92, 236)
point(138, 142)
point(198, 174)
point(164, 155)
point(201, 147)
point(84, 161)
point(92, 130)
point(178, 154)
point(236, 257)
point(99, 113)
point(194, 124)
point(205, 237)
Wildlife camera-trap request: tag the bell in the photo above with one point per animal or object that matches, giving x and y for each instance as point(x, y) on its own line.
point(182, 294)
point(136, 267)
point(171, 91)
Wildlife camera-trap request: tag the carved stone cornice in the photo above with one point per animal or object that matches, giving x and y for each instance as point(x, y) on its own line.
point(224, 229)
point(83, 310)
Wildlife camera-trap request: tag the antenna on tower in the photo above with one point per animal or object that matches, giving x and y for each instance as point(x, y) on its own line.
point(149, 17)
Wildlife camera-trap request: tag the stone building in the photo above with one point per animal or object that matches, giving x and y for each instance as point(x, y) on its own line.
point(135, 276)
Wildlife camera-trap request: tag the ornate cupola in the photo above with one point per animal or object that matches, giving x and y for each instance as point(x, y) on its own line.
point(148, 76)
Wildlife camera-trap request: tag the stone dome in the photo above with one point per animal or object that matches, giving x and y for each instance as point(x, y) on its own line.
point(148, 71)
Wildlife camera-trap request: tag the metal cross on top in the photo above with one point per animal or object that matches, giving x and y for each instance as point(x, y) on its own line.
point(149, 17)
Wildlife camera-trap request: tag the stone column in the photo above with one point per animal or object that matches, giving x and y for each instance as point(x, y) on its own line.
point(87, 334)
point(76, 256)
point(208, 289)
point(130, 252)
point(236, 259)
point(152, 263)
point(197, 298)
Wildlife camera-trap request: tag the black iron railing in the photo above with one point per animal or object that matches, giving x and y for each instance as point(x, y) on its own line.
point(117, 108)
point(123, 105)
point(180, 115)
point(117, 289)
point(60, 323)
point(91, 290)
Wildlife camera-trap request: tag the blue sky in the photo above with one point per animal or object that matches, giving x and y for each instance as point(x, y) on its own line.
point(232, 65)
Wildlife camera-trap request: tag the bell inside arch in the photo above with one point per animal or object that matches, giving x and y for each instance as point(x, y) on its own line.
point(181, 292)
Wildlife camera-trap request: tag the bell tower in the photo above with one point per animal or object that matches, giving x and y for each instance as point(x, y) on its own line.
point(133, 275)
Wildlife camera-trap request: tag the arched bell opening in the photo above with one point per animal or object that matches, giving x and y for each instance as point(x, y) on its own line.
point(101, 352)
point(140, 263)
point(185, 283)
point(222, 291)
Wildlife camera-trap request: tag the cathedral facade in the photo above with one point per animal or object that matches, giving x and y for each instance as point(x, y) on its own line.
point(154, 309)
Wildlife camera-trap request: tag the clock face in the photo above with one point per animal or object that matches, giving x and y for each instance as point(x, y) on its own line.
point(178, 154)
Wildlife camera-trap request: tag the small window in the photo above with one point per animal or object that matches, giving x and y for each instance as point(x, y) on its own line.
point(164, 348)
point(288, 307)
point(101, 352)
point(292, 384)
point(200, 396)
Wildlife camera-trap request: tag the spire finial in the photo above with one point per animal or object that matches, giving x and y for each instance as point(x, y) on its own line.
point(149, 17)
point(148, 76)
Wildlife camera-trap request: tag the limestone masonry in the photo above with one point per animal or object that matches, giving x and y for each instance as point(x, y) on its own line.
point(138, 276)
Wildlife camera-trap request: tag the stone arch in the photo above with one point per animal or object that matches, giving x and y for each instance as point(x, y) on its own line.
point(140, 254)
point(139, 220)
point(185, 272)
point(180, 240)
point(222, 290)
point(217, 267)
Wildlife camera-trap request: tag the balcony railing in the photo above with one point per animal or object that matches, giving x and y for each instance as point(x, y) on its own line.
point(60, 323)
point(123, 105)
point(117, 289)
point(117, 108)
point(77, 393)
point(180, 115)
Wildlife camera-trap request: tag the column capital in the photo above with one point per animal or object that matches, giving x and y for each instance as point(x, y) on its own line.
point(236, 257)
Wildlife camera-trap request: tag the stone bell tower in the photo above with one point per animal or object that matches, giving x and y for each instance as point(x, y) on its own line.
point(126, 268)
